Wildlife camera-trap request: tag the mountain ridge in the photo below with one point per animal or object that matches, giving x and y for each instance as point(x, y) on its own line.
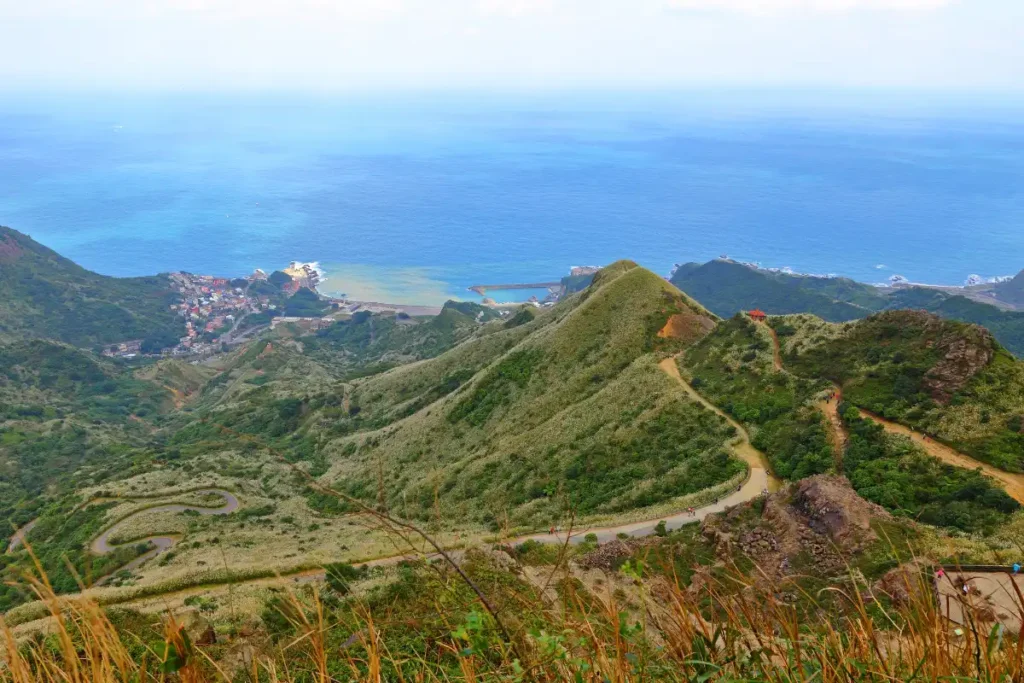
point(49, 296)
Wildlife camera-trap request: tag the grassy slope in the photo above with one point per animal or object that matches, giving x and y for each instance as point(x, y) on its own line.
point(68, 420)
point(46, 295)
point(366, 344)
point(570, 409)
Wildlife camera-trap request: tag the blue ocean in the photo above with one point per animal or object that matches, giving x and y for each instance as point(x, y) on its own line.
point(414, 197)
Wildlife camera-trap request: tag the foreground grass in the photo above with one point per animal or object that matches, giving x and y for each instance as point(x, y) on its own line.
point(490, 622)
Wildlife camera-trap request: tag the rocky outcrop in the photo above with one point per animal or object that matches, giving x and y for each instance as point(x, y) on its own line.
point(965, 352)
point(833, 509)
point(610, 555)
point(906, 584)
point(820, 520)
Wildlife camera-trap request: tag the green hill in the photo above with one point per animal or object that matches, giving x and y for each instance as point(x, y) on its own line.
point(48, 296)
point(913, 367)
point(67, 417)
point(726, 287)
point(1012, 292)
point(519, 421)
point(572, 411)
point(946, 378)
point(367, 343)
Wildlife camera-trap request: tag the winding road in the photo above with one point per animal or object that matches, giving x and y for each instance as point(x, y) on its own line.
point(102, 545)
point(760, 478)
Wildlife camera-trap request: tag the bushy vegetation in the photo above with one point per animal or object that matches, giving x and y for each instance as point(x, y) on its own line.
point(370, 343)
point(497, 388)
point(881, 364)
point(891, 471)
point(48, 296)
point(305, 304)
point(63, 535)
point(733, 368)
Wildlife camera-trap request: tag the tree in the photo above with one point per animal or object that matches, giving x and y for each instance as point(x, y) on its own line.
point(340, 575)
point(279, 278)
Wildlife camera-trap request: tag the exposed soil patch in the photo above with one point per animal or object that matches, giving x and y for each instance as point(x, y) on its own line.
point(9, 250)
point(686, 326)
point(837, 432)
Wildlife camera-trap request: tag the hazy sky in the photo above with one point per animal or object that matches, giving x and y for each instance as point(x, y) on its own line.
point(934, 44)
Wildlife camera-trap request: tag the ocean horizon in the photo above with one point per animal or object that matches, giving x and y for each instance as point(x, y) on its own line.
point(413, 198)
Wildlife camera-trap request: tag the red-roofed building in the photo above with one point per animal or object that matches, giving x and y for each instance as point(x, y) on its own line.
point(757, 315)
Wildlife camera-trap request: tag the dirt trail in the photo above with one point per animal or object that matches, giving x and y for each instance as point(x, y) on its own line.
point(776, 350)
point(837, 435)
point(1014, 483)
point(829, 407)
point(101, 545)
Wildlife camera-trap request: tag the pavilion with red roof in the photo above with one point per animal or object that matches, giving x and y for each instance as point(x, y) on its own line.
point(757, 315)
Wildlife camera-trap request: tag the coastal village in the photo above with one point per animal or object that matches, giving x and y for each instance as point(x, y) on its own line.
point(219, 312)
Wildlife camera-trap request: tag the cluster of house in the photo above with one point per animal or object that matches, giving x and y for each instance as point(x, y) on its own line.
point(210, 304)
point(128, 349)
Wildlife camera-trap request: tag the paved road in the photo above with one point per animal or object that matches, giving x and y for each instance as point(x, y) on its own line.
point(759, 480)
point(102, 545)
point(994, 591)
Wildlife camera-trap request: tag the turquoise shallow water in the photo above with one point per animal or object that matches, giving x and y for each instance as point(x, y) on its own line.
point(417, 197)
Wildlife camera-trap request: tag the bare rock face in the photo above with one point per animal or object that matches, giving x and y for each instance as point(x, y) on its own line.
point(820, 520)
point(964, 357)
point(834, 510)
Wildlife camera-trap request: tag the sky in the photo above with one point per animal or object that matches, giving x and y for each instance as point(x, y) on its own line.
point(422, 44)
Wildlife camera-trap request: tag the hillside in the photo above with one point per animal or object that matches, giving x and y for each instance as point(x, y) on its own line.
point(48, 296)
point(204, 482)
point(1012, 292)
point(521, 419)
point(726, 287)
point(576, 414)
point(367, 343)
point(903, 365)
point(946, 378)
